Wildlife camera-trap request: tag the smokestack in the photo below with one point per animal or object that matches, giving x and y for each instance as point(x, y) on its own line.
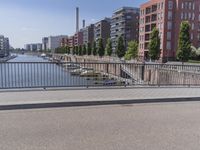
point(77, 19)
point(83, 23)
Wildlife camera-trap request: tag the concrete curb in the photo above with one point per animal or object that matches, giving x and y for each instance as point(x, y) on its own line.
point(95, 103)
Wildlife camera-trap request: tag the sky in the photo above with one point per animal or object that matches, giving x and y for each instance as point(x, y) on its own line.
point(27, 21)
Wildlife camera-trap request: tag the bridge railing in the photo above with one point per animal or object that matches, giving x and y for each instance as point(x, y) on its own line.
point(65, 74)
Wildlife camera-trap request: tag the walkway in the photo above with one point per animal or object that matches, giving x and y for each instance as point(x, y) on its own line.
point(82, 97)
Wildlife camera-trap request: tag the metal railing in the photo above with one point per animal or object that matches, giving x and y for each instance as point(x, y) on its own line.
point(49, 74)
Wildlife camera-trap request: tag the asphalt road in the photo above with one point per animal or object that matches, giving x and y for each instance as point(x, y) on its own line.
point(168, 126)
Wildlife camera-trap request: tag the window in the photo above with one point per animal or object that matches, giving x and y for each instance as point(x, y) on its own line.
point(169, 35)
point(169, 15)
point(169, 25)
point(190, 5)
point(182, 16)
point(192, 26)
point(170, 5)
point(192, 36)
point(189, 16)
point(168, 45)
point(182, 5)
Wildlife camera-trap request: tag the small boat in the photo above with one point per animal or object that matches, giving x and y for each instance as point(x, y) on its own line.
point(79, 71)
point(89, 73)
point(43, 55)
point(71, 66)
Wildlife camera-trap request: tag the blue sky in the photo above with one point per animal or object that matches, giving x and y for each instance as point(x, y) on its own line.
point(27, 21)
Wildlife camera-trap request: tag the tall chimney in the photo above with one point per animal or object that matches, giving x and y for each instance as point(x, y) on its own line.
point(83, 23)
point(77, 19)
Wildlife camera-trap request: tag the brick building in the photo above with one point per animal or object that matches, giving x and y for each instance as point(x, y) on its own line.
point(167, 15)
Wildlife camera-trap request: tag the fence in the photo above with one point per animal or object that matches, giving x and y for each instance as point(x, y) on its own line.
point(49, 74)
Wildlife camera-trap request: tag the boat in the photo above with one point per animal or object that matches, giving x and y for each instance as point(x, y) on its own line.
point(71, 66)
point(89, 73)
point(79, 71)
point(43, 55)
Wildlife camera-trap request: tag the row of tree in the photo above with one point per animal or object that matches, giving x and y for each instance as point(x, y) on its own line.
point(183, 52)
point(96, 48)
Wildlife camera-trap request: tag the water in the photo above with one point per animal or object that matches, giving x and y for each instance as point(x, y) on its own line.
point(31, 71)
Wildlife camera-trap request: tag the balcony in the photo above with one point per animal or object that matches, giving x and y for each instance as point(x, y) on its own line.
point(147, 37)
point(148, 10)
point(153, 17)
point(154, 8)
point(147, 19)
point(147, 28)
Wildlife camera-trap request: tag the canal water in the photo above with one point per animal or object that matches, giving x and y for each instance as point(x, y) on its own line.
point(26, 71)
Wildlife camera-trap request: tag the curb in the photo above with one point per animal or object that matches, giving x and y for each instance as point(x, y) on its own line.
point(95, 103)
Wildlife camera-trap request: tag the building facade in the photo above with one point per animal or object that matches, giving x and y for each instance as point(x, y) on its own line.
point(4, 46)
point(125, 23)
point(33, 47)
point(88, 34)
point(78, 38)
point(166, 16)
point(54, 42)
point(45, 43)
point(102, 30)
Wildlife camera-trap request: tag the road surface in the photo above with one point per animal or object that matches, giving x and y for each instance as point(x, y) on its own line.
point(160, 126)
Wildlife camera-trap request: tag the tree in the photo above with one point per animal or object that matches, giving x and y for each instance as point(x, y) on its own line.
point(68, 50)
point(73, 50)
point(120, 49)
point(184, 43)
point(109, 47)
point(80, 50)
point(132, 51)
point(89, 49)
point(154, 45)
point(84, 52)
point(76, 50)
point(100, 48)
point(94, 48)
point(195, 53)
point(61, 50)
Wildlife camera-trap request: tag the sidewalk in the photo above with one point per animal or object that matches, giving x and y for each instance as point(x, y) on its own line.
point(82, 97)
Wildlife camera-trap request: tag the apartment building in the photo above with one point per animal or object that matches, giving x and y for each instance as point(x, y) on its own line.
point(54, 42)
point(78, 38)
point(102, 30)
point(167, 15)
point(45, 43)
point(33, 47)
point(64, 42)
point(4, 46)
point(125, 23)
point(88, 34)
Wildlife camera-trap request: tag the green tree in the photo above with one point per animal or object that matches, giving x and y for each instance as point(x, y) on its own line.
point(73, 50)
point(80, 50)
point(120, 49)
point(84, 52)
point(184, 43)
point(89, 49)
point(100, 48)
point(109, 47)
point(132, 51)
point(154, 45)
point(94, 48)
point(76, 50)
point(68, 50)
